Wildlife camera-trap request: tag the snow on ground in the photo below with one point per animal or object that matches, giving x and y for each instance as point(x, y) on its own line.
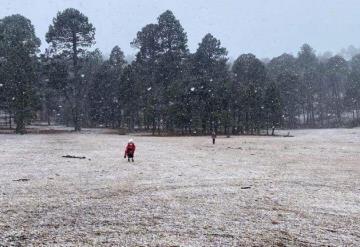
point(181, 191)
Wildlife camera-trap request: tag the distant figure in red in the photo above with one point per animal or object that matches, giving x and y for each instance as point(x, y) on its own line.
point(130, 150)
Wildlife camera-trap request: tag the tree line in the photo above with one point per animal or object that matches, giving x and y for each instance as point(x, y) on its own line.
point(166, 88)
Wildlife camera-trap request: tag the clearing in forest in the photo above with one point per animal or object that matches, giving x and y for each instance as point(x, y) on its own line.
point(181, 191)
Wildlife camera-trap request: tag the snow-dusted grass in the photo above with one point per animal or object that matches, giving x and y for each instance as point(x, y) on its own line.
point(181, 191)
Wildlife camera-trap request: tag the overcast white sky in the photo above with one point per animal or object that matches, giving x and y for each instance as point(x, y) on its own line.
point(266, 28)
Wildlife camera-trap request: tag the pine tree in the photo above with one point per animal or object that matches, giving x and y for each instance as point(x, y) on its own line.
point(49, 98)
point(172, 41)
point(70, 34)
point(18, 49)
point(211, 75)
point(283, 71)
point(273, 107)
point(130, 96)
point(116, 101)
point(307, 64)
point(352, 95)
point(146, 68)
point(160, 65)
point(250, 75)
point(89, 65)
point(336, 76)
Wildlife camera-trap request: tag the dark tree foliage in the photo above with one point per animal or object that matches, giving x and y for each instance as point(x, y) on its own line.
point(105, 99)
point(352, 91)
point(272, 107)
point(283, 72)
point(250, 76)
point(336, 76)
point(167, 89)
point(284, 64)
point(18, 70)
point(160, 67)
point(49, 97)
point(209, 84)
point(70, 34)
point(90, 65)
point(129, 95)
point(146, 66)
point(308, 67)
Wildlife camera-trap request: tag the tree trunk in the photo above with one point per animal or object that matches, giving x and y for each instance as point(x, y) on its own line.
point(76, 119)
point(76, 113)
point(153, 126)
point(10, 123)
point(20, 123)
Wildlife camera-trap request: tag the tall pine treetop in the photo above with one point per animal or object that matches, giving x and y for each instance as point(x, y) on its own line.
point(249, 69)
point(172, 36)
point(18, 32)
point(117, 57)
point(71, 29)
point(211, 48)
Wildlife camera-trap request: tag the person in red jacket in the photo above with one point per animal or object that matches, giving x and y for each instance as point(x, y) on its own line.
point(130, 150)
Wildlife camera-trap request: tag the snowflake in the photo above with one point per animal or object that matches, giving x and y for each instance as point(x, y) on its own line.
point(149, 89)
point(192, 89)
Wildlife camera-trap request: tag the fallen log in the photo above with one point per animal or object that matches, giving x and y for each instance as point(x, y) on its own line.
point(21, 180)
point(74, 157)
point(246, 187)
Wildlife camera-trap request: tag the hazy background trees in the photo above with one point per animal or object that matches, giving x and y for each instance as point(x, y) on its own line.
point(166, 88)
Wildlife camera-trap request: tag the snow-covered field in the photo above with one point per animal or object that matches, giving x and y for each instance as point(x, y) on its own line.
point(181, 191)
